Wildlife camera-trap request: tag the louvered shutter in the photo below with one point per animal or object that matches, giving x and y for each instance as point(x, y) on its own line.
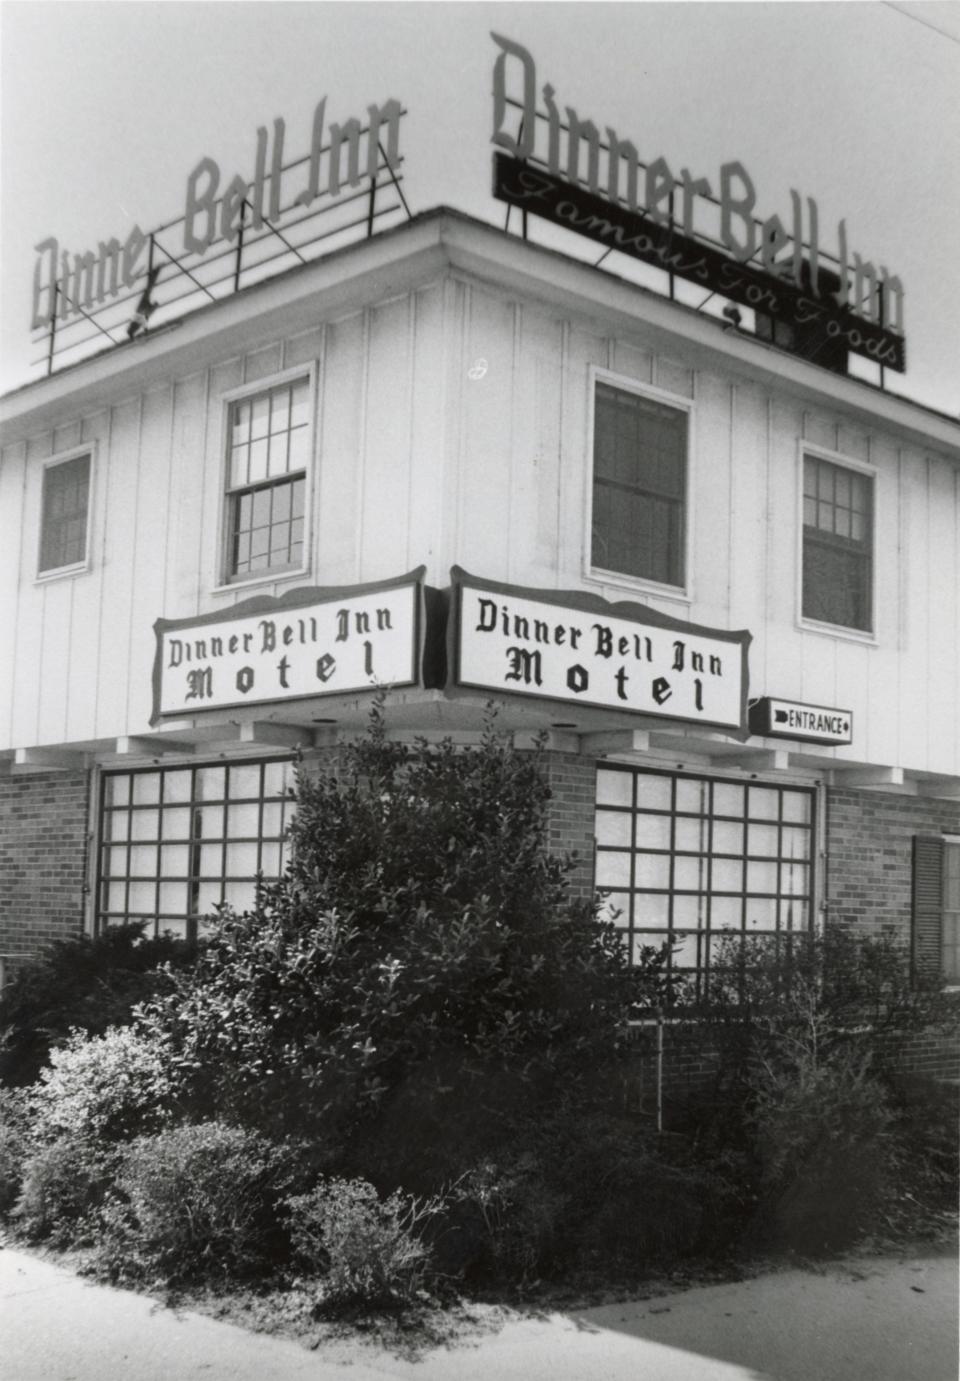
point(927, 900)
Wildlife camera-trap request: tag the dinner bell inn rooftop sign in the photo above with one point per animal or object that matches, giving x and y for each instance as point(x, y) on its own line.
point(599, 187)
point(69, 284)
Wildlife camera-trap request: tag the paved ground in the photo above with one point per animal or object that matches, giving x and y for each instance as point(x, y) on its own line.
point(875, 1320)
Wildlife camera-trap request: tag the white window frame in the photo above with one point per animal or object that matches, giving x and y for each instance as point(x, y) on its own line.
point(222, 581)
point(599, 575)
point(837, 630)
point(74, 567)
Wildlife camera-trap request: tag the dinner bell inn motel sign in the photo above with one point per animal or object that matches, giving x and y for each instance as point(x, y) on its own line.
point(579, 648)
point(311, 643)
point(650, 214)
point(68, 285)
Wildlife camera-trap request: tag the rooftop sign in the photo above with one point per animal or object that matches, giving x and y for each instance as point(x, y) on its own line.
point(580, 649)
point(599, 188)
point(226, 215)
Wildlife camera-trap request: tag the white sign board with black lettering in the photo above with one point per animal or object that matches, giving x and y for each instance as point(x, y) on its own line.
point(305, 644)
point(793, 719)
point(578, 648)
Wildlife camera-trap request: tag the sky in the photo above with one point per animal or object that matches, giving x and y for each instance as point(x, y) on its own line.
point(107, 105)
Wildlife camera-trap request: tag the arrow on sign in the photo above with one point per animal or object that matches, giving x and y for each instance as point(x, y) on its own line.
point(780, 716)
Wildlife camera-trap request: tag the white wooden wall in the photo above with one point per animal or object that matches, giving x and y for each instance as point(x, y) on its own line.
point(452, 427)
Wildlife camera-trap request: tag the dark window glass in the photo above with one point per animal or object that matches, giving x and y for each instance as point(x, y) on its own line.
point(639, 486)
point(66, 489)
point(693, 859)
point(176, 842)
point(837, 545)
point(269, 446)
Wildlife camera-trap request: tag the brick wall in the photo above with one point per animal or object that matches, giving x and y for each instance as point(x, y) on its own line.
point(570, 812)
point(43, 853)
point(870, 858)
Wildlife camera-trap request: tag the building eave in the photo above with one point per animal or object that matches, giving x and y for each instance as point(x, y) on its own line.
point(417, 252)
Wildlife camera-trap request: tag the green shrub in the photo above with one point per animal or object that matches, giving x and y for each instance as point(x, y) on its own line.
point(14, 1144)
point(65, 1182)
point(823, 1137)
point(196, 1203)
point(366, 1249)
point(422, 943)
point(83, 984)
point(101, 1089)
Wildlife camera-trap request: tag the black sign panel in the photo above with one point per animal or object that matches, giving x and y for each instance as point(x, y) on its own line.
point(536, 190)
point(794, 719)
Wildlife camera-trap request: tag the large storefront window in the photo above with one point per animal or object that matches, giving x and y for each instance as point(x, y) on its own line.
point(693, 859)
point(176, 841)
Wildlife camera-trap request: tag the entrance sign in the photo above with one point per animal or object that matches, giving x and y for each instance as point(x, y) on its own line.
point(793, 719)
point(312, 642)
point(600, 189)
point(580, 649)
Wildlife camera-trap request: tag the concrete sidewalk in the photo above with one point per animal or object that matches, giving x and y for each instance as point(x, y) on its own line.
point(880, 1319)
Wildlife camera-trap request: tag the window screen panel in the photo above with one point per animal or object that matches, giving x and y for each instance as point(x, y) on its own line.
point(639, 486)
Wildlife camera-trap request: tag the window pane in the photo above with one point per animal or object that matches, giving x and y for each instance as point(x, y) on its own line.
point(761, 913)
point(614, 788)
point(117, 790)
point(728, 799)
point(176, 822)
point(613, 869)
point(726, 875)
point(653, 832)
point(143, 860)
point(689, 874)
point(763, 839)
point(692, 796)
point(688, 912)
point(277, 777)
point(244, 782)
point(272, 822)
point(764, 803)
point(174, 860)
point(211, 783)
point(173, 898)
point(146, 788)
point(651, 870)
point(243, 820)
point(614, 827)
point(176, 786)
point(761, 877)
point(144, 824)
point(242, 860)
point(727, 837)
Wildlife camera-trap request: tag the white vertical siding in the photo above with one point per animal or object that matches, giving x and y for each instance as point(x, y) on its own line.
point(452, 426)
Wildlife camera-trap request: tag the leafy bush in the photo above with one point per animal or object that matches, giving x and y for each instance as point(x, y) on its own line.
point(822, 1126)
point(101, 1089)
point(96, 1093)
point(367, 1249)
point(422, 948)
point(14, 1144)
point(65, 1182)
point(194, 1203)
point(862, 990)
point(83, 984)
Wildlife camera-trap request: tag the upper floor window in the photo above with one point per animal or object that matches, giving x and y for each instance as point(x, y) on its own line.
point(837, 544)
point(639, 486)
point(268, 445)
point(65, 507)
